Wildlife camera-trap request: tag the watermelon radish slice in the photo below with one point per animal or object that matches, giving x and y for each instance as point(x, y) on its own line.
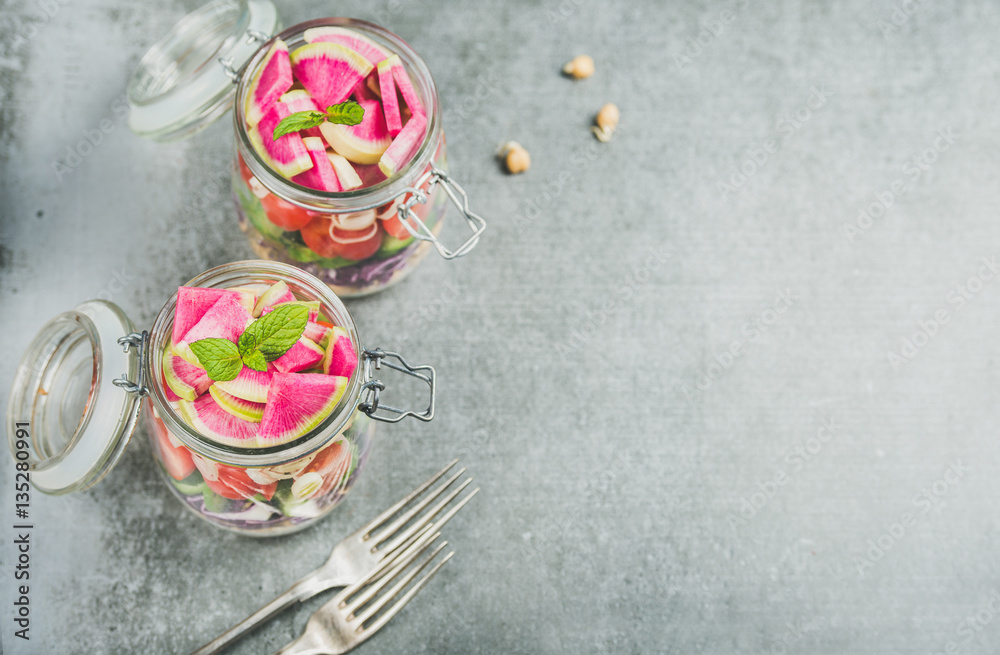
point(273, 77)
point(405, 86)
point(226, 319)
point(278, 293)
point(215, 423)
point(322, 175)
point(328, 71)
point(340, 359)
point(362, 45)
point(346, 174)
point(297, 403)
point(398, 155)
point(311, 305)
point(304, 354)
point(390, 101)
point(369, 174)
point(255, 289)
point(249, 384)
point(192, 303)
point(299, 100)
point(287, 155)
point(185, 380)
point(363, 143)
point(316, 333)
point(244, 409)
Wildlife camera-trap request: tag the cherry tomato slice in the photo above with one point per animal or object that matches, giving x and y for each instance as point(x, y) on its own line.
point(284, 214)
point(317, 236)
point(351, 246)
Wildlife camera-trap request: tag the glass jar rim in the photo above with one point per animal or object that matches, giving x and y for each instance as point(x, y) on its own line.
point(237, 274)
point(366, 197)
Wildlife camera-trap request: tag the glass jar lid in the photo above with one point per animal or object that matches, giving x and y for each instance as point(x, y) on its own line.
point(188, 79)
point(65, 397)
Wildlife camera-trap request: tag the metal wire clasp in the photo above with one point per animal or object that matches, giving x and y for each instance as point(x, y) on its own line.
point(253, 36)
point(372, 389)
point(139, 341)
point(458, 196)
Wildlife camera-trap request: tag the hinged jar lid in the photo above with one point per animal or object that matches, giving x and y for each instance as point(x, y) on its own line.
point(188, 79)
point(67, 398)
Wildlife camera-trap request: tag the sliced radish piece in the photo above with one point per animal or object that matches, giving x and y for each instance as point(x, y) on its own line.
point(390, 101)
point(348, 177)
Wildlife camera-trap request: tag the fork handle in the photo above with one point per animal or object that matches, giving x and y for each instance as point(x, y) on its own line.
point(302, 590)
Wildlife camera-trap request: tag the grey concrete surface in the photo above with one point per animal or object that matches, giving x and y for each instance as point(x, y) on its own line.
point(824, 488)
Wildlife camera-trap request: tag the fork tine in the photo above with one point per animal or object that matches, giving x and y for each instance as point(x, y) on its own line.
point(384, 581)
point(432, 513)
point(404, 557)
point(389, 531)
point(381, 518)
point(377, 605)
point(364, 632)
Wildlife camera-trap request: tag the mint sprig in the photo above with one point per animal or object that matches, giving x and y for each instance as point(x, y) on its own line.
point(345, 113)
point(265, 340)
point(220, 357)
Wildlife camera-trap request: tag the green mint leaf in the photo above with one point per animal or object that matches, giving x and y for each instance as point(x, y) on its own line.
point(271, 335)
point(255, 360)
point(346, 113)
point(298, 121)
point(220, 357)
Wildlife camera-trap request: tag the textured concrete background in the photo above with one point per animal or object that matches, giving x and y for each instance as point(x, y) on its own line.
point(643, 491)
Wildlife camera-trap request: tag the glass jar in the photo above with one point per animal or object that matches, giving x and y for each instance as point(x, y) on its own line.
point(183, 83)
point(84, 380)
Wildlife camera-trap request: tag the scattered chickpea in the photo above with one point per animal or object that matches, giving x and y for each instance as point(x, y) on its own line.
point(515, 157)
point(580, 67)
point(606, 122)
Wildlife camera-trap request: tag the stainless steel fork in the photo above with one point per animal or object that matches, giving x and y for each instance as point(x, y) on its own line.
point(359, 611)
point(354, 558)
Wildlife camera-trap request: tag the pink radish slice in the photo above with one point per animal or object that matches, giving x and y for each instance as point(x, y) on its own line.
point(349, 38)
point(405, 86)
point(329, 71)
point(399, 153)
point(321, 176)
point(390, 101)
point(287, 155)
point(273, 78)
point(363, 143)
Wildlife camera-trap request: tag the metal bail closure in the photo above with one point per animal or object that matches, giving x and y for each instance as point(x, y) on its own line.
point(460, 199)
point(371, 389)
point(139, 341)
point(187, 79)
